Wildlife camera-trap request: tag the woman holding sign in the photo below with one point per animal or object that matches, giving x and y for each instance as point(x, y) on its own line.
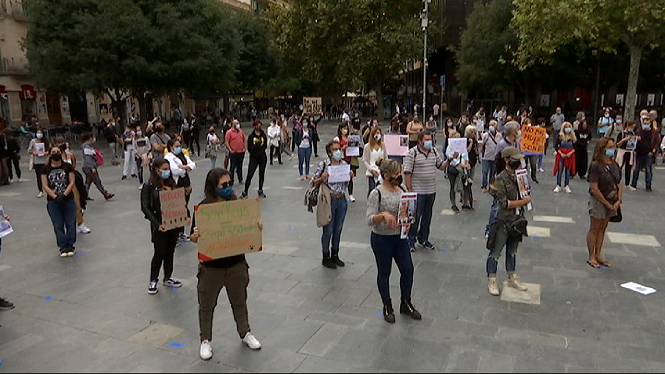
point(231, 272)
point(164, 240)
point(383, 207)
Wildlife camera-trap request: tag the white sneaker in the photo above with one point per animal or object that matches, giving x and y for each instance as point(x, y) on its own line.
point(206, 351)
point(541, 170)
point(568, 190)
point(251, 342)
point(631, 188)
point(557, 189)
point(352, 199)
point(40, 195)
point(83, 229)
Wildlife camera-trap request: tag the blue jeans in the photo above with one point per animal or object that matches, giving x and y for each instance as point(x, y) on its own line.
point(488, 173)
point(511, 244)
point(333, 231)
point(421, 228)
point(387, 248)
point(237, 159)
point(540, 161)
point(563, 171)
point(63, 217)
point(643, 162)
point(304, 155)
point(213, 162)
point(494, 211)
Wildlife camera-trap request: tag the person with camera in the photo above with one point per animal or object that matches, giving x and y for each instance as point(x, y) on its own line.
point(58, 181)
point(510, 226)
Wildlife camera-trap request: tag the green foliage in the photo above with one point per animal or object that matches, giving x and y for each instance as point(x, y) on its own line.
point(339, 44)
point(258, 62)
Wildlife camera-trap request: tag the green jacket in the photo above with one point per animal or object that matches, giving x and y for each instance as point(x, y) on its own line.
point(505, 190)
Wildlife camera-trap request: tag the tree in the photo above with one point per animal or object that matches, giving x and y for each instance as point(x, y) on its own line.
point(131, 47)
point(340, 44)
point(545, 26)
point(258, 62)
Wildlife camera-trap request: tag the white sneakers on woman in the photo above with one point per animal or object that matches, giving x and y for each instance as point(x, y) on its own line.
point(566, 189)
point(83, 229)
point(206, 351)
point(249, 340)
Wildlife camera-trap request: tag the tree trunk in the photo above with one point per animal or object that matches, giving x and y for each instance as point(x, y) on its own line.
point(379, 101)
point(633, 76)
point(141, 98)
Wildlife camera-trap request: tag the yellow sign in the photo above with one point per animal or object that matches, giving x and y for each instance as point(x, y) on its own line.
point(229, 229)
point(533, 140)
point(174, 208)
point(312, 105)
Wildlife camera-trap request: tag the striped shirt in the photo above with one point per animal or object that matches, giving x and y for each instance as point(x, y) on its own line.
point(423, 167)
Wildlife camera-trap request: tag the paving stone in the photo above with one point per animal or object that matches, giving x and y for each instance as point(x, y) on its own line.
point(531, 297)
point(156, 335)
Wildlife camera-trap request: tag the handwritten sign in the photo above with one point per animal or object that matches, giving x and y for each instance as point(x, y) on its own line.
point(353, 147)
point(312, 105)
point(533, 140)
point(457, 145)
point(339, 174)
point(397, 145)
point(174, 208)
point(229, 229)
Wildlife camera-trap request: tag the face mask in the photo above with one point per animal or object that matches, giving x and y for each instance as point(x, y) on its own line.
point(397, 181)
point(515, 164)
point(56, 157)
point(338, 155)
point(225, 193)
point(450, 124)
point(519, 134)
point(610, 153)
point(646, 127)
point(428, 145)
point(492, 129)
point(305, 124)
point(166, 174)
point(40, 136)
point(431, 119)
point(237, 127)
point(140, 133)
point(212, 131)
point(568, 130)
point(160, 129)
point(619, 121)
point(607, 115)
point(345, 131)
point(377, 137)
point(177, 151)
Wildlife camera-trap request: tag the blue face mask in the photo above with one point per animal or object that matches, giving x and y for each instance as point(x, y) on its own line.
point(492, 129)
point(338, 155)
point(610, 153)
point(140, 133)
point(646, 127)
point(39, 136)
point(305, 124)
point(225, 193)
point(177, 151)
point(428, 145)
point(166, 174)
point(568, 130)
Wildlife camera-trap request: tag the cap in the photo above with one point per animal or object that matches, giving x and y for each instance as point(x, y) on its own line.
point(513, 153)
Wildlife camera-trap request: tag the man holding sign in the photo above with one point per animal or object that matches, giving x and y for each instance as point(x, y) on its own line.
point(224, 224)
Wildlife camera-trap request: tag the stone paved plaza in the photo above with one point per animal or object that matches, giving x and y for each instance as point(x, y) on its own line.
point(92, 312)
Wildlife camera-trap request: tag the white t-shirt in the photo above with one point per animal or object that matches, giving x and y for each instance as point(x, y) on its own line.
point(305, 143)
point(212, 138)
point(345, 117)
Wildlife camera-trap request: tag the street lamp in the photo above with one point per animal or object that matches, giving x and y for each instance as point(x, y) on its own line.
point(424, 23)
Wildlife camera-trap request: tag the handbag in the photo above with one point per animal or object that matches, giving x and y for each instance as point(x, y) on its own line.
point(518, 228)
point(618, 218)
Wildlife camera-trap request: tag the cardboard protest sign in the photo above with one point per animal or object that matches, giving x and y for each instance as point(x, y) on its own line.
point(533, 140)
point(229, 229)
point(174, 208)
point(312, 105)
point(353, 146)
point(397, 145)
point(457, 145)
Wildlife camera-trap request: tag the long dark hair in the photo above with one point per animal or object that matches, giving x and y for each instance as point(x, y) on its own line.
point(340, 128)
point(181, 156)
point(156, 178)
point(212, 180)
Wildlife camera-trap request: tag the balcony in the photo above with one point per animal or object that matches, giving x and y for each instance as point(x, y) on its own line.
point(14, 8)
point(14, 66)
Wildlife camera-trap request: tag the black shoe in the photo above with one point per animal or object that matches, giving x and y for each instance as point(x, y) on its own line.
point(243, 196)
point(649, 189)
point(262, 195)
point(455, 209)
point(174, 283)
point(338, 262)
point(124, 177)
point(388, 313)
point(242, 181)
point(428, 245)
point(271, 164)
point(535, 180)
point(329, 263)
point(109, 196)
point(134, 176)
point(6, 305)
point(408, 310)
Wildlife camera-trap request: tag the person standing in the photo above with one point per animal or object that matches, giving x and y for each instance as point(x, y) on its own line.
point(647, 148)
point(195, 126)
point(80, 192)
point(236, 144)
point(14, 154)
point(382, 210)
point(581, 148)
point(286, 138)
point(90, 166)
point(142, 153)
point(605, 200)
point(502, 234)
point(159, 140)
point(111, 134)
point(128, 138)
point(420, 167)
point(458, 173)
point(339, 205)
point(257, 144)
point(490, 142)
point(556, 121)
point(565, 157)
point(626, 144)
point(374, 151)
point(303, 139)
point(605, 123)
point(413, 129)
point(38, 149)
point(164, 241)
point(213, 147)
point(275, 141)
point(58, 181)
point(231, 272)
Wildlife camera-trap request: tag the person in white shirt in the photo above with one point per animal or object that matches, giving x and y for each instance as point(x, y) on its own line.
point(345, 117)
point(213, 147)
point(274, 141)
point(128, 143)
point(180, 165)
point(142, 153)
point(375, 150)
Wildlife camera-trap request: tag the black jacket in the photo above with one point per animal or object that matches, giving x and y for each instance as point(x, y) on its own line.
point(151, 206)
point(257, 144)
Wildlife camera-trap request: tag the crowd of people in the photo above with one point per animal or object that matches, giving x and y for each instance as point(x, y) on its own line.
point(492, 141)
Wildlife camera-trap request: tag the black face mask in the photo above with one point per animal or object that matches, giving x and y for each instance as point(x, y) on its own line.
point(515, 164)
point(57, 157)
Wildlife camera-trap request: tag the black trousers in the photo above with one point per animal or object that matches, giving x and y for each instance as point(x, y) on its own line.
point(14, 160)
point(237, 159)
point(164, 243)
point(582, 160)
point(194, 139)
point(276, 150)
point(260, 162)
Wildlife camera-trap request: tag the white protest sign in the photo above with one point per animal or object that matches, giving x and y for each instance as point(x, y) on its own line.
point(339, 174)
point(458, 145)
